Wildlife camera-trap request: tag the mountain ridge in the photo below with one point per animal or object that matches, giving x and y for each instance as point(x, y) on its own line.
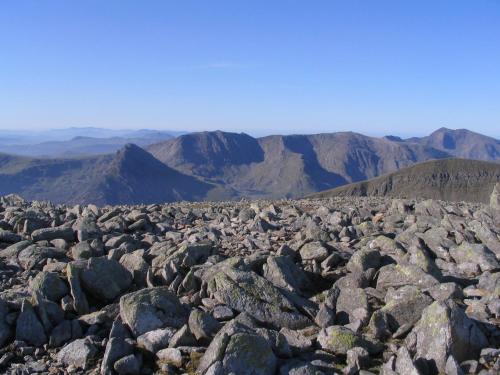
point(226, 166)
point(444, 179)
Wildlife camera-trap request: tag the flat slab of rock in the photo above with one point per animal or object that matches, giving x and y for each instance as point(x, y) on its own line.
point(49, 234)
point(247, 292)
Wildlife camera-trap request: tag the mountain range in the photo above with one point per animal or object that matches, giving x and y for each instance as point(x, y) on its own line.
point(221, 165)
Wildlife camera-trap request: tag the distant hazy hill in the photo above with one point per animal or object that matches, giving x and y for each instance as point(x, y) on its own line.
point(132, 175)
point(462, 143)
point(448, 179)
point(73, 142)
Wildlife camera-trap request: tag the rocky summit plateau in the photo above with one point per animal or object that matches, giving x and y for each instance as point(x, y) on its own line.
point(344, 285)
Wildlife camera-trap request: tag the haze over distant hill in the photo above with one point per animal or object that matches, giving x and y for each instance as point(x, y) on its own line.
point(220, 165)
point(448, 179)
point(71, 142)
point(462, 143)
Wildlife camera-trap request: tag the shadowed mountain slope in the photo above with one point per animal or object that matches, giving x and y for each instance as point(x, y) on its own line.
point(448, 179)
point(132, 175)
point(222, 166)
point(287, 166)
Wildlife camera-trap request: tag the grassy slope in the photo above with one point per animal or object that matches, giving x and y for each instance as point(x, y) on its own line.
point(448, 179)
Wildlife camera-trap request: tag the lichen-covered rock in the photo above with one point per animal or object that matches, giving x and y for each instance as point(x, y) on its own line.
point(314, 251)
point(152, 308)
point(202, 325)
point(404, 306)
point(348, 301)
point(49, 285)
point(339, 340)
point(363, 259)
point(155, 340)
point(105, 279)
point(78, 353)
point(284, 273)
point(397, 275)
point(238, 349)
point(445, 330)
point(341, 285)
point(248, 354)
point(477, 254)
point(246, 291)
point(35, 257)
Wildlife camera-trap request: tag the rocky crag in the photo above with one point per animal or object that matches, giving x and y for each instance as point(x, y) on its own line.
point(335, 286)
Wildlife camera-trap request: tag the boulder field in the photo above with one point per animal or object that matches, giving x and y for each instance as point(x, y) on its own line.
point(320, 286)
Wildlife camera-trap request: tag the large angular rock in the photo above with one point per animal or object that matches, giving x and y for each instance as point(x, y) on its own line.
point(202, 325)
point(487, 235)
point(5, 330)
point(396, 275)
point(284, 273)
point(237, 349)
point(476, 254)
point(185, 256)
point(445, 330)
point(152, 308)
point(7, 236)
point(495, 197)
point(314, 251)
point(155, 340)
point(438, 242)
point(80, 303)
point(49, 234)
point(28, 327)
point(137, 266)
point(247, 292)
point(364, 259)
point(35, 257)
point(116, 348)
point(13, 250)
point(49, 285)
point(86, 229)
point(249, 354)
point(348, 301)
point(403, 309)
point(339, 340)
point(404, 306)
point(105, 279)
point(78, 353)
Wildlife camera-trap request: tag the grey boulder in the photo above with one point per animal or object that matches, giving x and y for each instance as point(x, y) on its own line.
point(152, 308)
point(105, 279)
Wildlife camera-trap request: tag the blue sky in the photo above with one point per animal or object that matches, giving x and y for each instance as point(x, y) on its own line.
point(376, 67)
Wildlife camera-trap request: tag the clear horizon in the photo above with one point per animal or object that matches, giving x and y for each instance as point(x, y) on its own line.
point(376, 68)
